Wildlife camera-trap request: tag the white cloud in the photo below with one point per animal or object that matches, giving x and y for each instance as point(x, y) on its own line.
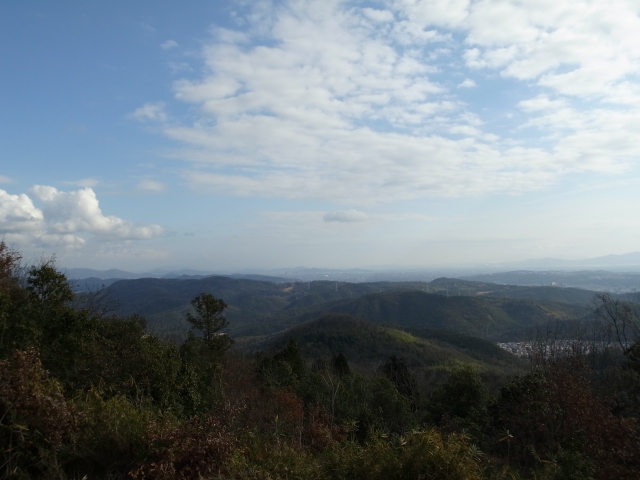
point(317, 100)
point(5, 179)
point(79, 211)
point(150, 111)
point(581, 47)
point(348, 216)
point(71, 224)
point(381, 16)
point(84, 182)
point(467, 83)
point(542, 103)
point(180, 67)
point(443, 13)
point(149, 185)
point(66, 241)
point(169, 44)
point(18, 214)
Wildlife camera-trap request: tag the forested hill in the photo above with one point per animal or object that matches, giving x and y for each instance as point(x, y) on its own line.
point(165, 302)
point(484, 317)
point(366, 344)
point(454, 286)
point(258, 308)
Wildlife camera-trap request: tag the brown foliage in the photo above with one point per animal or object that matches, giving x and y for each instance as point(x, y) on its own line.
point(196, 448)
point(289, 416)
point(35, 420)
point(280, 414)
point(320, 432)
point(612, 443)
point(30, 401)
point(556, 410)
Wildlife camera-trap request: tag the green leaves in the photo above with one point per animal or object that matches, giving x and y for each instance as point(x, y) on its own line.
point(49, 286)
point(209, 319)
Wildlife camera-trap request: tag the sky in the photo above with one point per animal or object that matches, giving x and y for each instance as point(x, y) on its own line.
point(228, 135)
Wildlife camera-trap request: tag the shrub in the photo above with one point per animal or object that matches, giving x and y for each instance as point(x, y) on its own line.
point(428, 454)
point(199, 447)
point(462, 400)
point(35, 420)
point(112, 435)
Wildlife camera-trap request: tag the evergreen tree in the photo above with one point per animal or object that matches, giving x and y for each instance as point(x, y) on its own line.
point(398, 373)
point(210, 320)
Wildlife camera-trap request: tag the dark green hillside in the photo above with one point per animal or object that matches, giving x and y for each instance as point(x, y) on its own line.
point(259, 308)
point(420, 309)
point(325, 291)
point(454, 286)
point(365, 343)
point(478, 316)
point(164, 302)
point(478, 348)
point(262, 278)
point(152, 295)
point(575, 296)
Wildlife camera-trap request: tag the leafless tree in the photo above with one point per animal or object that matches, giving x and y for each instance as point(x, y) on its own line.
point(96, 301)
point(621, 317)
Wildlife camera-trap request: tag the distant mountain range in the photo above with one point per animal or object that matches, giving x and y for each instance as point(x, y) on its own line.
point(88, 279)
point(597, 280)
point(82, 273)
point(626, 262)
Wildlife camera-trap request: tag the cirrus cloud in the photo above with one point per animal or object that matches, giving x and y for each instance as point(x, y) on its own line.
point(334, 101)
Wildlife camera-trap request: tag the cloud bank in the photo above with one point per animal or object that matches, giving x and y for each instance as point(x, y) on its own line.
point(19, 214)
point(65, 219)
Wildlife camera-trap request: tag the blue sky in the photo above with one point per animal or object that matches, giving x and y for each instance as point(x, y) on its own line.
point(236, 134)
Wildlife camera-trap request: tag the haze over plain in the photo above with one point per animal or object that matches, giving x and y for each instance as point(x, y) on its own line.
point(232, 134)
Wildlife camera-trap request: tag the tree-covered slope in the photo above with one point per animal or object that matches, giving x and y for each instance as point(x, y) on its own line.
point(454, 286)
point(477, 316)
point(366, 343)
point(165, 302)
point(259, 308)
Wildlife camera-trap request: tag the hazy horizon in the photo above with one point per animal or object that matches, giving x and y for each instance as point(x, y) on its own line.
point(629, 262)
point(231, 135)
